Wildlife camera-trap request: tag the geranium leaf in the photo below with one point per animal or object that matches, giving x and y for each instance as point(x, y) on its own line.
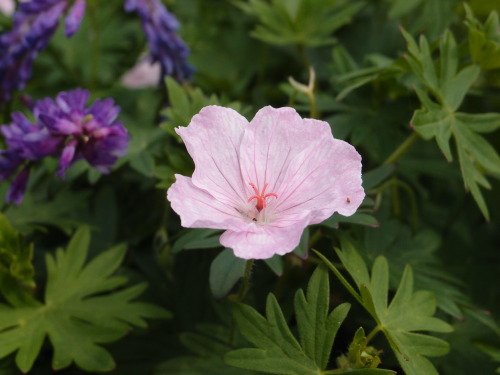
point(278, 351)
point(400, 319)
point(317, 328)
point(484, 39)
point(441, 121)
point(275, 263)
point(302, 22)
point(76, 315)
point(225, 271)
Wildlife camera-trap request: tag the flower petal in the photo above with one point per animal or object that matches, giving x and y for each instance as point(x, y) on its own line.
point(311, 172)
point(272, 140)
point(76, 99)
point(67, 157)
point(74, 17)
point(143, 75)
point(15, 194)
point(266, 241)
point(323, 179)
point(199, 209)
point(213, 140)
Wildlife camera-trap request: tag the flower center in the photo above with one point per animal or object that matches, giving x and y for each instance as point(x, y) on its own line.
point(260, 197)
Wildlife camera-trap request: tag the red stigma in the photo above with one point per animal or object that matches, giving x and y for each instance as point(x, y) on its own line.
point(261, 197)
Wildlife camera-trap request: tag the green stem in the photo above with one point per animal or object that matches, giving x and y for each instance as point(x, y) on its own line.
point(245, 283)
point(96, 44)
point(372, 334)
point(341, 278)
point(303, 55)
point(315, 238)
point(244, 288)
point(396, 206)
point(312, 102)
point(413, 201)
point(401, 150)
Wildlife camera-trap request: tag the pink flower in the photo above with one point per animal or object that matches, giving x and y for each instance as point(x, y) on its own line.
point(264, 181)
point(7, 7)
point(143, 75)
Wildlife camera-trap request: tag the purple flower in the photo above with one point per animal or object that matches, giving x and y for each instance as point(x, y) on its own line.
point(160, 28)
point(34, 24)
point(264, 181)
point(63, 128)
point(18, 187)
point(30, 141)
point(74, 17)
point(9, 163)
point(91, 133)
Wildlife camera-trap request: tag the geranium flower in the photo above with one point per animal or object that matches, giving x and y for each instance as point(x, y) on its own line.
point(264, 181)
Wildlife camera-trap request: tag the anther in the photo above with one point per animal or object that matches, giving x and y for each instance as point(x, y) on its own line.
point(260, 197)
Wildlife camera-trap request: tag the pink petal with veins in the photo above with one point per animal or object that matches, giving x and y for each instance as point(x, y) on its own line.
point(266, 180)
point(267, 241)
point(199, 209)
point(213, 140)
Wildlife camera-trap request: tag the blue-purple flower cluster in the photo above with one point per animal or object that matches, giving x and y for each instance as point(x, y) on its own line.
point(65, 129)
point(160, 28)
point(34, 24)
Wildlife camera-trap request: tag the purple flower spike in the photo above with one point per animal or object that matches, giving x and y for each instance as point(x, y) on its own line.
point(74, 18)
point(160, 28)
point(34, 24)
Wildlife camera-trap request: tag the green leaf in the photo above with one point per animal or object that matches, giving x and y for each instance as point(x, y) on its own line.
point(357, 218)
point(185, 102)
point(476, 155)
point(278, 351)
point(35, 214)
point(403, 317)
point(492, 350)
point(225, 271)
point(302, 250)
point(420, 251)
point(484, 39)
point(15, 257)
point(197, 239)
point(441, 121)
point(301, 22)
point(373, 178)
point(317, 329)
point(76, 314)
point(401, 7)
point(275, 263)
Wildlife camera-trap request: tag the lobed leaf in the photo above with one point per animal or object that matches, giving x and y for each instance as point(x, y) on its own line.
point(73, 317)
point(277, 350)
point(441, 121)
point(403, 317)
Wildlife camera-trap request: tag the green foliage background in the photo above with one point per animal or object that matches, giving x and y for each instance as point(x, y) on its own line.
point(414, 85)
